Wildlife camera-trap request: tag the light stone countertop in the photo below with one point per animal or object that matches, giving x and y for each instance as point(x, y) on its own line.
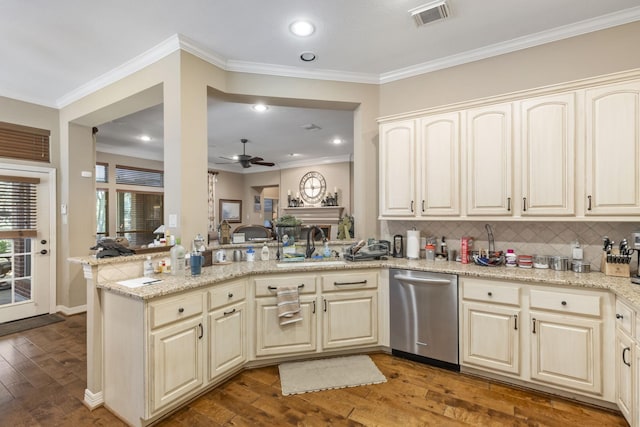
point(621, 286)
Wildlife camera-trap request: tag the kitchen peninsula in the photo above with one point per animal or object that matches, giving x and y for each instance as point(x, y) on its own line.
point(144, 328)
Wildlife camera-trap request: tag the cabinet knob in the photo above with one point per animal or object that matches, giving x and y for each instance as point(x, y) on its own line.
point(230, 295)
point(181, 310)
point(619, 316)
point(490, 294)
point(563, 303)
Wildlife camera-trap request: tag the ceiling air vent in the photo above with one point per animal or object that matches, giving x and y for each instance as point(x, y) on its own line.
point(433, 11)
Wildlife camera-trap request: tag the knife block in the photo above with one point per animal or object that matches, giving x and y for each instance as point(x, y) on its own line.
point(611, 269)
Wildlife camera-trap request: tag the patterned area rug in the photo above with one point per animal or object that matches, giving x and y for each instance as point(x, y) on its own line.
point(326, 374)
point(29, 323)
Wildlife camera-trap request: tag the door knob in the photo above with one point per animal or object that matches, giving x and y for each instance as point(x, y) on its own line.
point(44, 242)
point(43, 252)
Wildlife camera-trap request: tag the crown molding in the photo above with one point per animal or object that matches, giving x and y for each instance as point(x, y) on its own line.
point(583, 27)
point(134, 65)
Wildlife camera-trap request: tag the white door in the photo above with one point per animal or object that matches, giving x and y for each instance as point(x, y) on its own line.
point(27, 267)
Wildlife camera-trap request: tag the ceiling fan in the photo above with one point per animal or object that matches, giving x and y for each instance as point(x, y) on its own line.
point(246, 160)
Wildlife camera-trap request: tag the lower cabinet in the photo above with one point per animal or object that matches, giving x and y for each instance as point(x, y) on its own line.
point(626, 358)
point(350, 319)
point(227, 339)
point(547, 336)
point(176, 360)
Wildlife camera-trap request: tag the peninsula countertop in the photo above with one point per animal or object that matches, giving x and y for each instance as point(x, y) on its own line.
point(169, 284)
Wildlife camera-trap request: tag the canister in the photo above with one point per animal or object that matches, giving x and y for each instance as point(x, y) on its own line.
point(559, 263)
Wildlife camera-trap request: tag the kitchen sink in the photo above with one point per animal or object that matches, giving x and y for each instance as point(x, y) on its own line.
point(310, 263)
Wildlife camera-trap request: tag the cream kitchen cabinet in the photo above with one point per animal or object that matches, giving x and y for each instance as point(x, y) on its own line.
point(613, 149)
point(547, 127)
point(491, 317)
point(398, 169)
point(438, 169)
point(488, 143)
point(350, 309)
point(227, 328)
point(626, 363)
point(420, 167)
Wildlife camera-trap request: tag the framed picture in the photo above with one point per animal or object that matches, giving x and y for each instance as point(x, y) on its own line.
point(231, 210)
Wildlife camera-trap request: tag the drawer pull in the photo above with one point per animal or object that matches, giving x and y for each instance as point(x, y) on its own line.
point(226, 313)
point(563, 303)
point(274, 288)
point(624, 359)
point(230, 295)
point(489, 294)
point(362, 282)
point(619, 316)
point(515, 323)
point(181, 310)
point(534, 325)
point(201, 331)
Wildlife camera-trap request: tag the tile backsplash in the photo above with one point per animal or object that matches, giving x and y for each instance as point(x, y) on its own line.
point(524, 237)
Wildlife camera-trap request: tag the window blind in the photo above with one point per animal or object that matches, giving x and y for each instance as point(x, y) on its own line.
point(138, 215)
point(102, 172)
point(23, 142)
point(18, 207)
point(139, 176)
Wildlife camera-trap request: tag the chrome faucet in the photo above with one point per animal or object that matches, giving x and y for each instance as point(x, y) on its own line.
point(310, 250)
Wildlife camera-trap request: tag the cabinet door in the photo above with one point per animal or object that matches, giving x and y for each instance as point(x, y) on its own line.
point(548, 155)
point(273, 339)
point(227, 331)
point(491, 337)
point(624, 356)
point(613, 150)
point(566, 351)
point(397, 169)
point(176, 361)
point(350, 319)
point(489, 158)
point(439, 165)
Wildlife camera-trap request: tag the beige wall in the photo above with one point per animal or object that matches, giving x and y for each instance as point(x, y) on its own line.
point(580, 57)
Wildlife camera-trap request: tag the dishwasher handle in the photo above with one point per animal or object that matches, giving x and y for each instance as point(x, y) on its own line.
point(421, 280)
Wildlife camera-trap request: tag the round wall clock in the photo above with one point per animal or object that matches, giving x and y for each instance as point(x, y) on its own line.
point(312, 187)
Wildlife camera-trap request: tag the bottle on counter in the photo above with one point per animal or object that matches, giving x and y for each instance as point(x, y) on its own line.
point(327, 250)
point(264, 254)
point(147, 268)
point(251, 254)
point(178, 253)
point(511, 258)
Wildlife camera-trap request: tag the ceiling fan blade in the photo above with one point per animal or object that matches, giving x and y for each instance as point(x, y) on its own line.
point(263, 163)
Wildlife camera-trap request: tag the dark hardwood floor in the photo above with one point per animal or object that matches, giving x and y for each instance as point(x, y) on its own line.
point(43, 377)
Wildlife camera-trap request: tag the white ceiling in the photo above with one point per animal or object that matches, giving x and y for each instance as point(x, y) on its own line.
point(54, 52)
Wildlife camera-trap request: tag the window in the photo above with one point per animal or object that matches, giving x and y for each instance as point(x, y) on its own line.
point(139, 214)
point(18, 207)
point(138, 176)
point(102, 212)
point(23, 142)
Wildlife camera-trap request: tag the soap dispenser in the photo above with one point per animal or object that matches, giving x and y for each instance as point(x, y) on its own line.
point(264, 254)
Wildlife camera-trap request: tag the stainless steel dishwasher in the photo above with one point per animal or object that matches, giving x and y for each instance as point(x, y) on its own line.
point(424, 316)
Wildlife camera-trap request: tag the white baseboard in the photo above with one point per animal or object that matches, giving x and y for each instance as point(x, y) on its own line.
point(70, 311)
point(93, 400)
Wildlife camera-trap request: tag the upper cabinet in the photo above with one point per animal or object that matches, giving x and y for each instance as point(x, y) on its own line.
point(397, 169)
point(613, 150)
point(489, 161)
point(565, 155)
point(439, 165)
point(547, 144)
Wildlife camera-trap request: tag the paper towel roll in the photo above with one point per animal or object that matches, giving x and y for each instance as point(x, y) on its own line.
point(413, 244)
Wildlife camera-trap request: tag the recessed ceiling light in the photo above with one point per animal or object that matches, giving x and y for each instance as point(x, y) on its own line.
point(260, 108)
point(302, 28)
point(145, 138)
point(308, 56)
point(293, 154)
point(337, 141)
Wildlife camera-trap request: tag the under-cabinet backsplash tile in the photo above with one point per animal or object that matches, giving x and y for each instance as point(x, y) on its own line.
point(526, 237)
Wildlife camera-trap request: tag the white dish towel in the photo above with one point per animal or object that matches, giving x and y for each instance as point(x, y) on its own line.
point(288, 302)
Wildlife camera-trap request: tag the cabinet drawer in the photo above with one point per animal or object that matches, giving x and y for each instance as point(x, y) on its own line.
point(349, 281)
point(228, 293)
point(487, 291)
point(625, 317)
point(267, 286)
point(176, 308)
point(565, 302)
